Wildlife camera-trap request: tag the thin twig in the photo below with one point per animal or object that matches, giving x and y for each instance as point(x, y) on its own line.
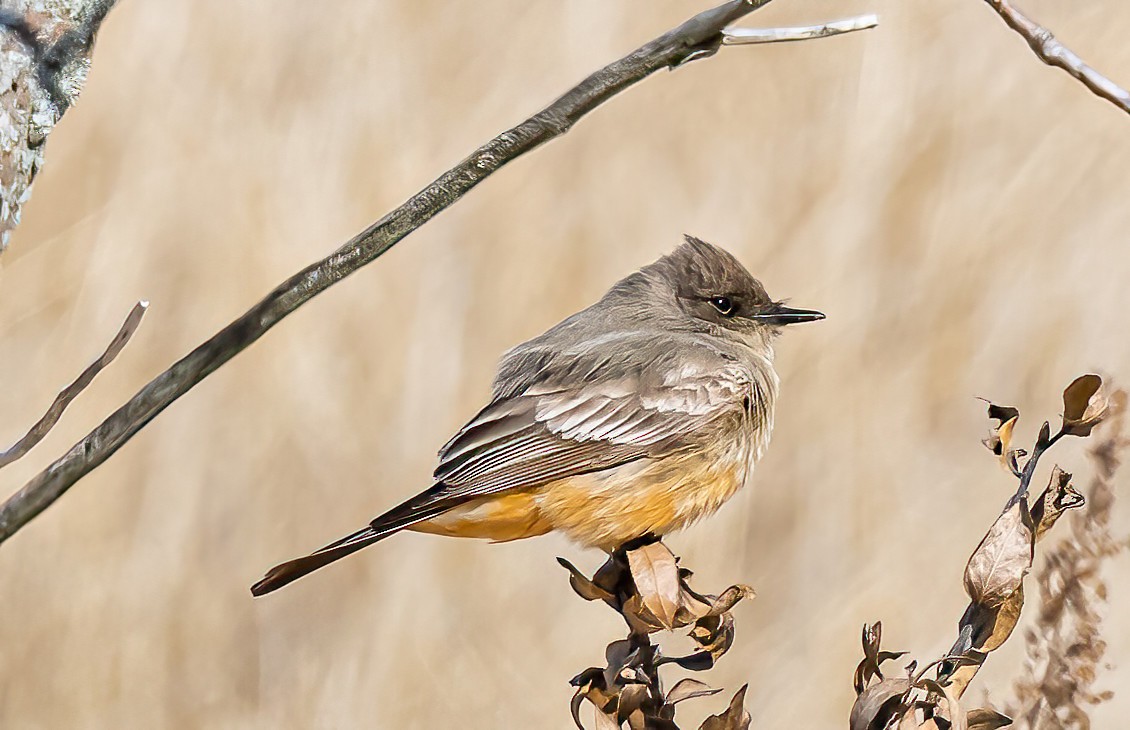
point(44, 425)
point(699, 37)
point(1054, 53)
point(747, 36)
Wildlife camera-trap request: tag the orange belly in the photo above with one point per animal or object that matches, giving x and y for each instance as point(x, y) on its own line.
point(603, 509)
point(500, 517)
point(606, 509)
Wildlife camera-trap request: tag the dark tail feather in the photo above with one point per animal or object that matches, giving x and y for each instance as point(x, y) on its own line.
point(390, 523)
point(292, 570)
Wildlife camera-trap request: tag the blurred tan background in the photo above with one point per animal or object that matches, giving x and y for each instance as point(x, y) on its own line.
point(958, 209)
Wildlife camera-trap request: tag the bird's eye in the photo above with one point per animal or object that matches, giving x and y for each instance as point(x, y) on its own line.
point(724, 305)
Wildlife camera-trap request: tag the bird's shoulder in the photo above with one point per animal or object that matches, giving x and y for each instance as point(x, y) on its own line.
point(623, 362)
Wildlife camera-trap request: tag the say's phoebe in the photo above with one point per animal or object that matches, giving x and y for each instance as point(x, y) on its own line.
point(636, 416)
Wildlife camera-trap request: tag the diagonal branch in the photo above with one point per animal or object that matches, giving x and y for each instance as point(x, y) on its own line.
point(749, 36)
point(44, 425)
point(1054, 53)
point(699, 37)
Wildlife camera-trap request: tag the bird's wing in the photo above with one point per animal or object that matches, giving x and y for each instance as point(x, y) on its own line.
point(551, 430)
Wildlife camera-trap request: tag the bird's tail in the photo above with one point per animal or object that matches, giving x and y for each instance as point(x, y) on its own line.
point(292, 570)
point(390, 523)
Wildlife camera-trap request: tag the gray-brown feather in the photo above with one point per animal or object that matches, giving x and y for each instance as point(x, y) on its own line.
point(577, 412)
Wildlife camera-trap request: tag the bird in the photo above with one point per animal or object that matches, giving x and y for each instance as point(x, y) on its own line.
point(632, 418)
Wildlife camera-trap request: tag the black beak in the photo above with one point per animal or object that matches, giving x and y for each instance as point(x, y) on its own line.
point(779, 314)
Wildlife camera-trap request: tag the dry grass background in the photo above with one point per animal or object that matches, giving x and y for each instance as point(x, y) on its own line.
point(958, 210)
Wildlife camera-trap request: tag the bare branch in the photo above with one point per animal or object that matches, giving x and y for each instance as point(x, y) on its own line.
point(699, 37)
point(748, 36)
point(1054, 53)
point(44, 425)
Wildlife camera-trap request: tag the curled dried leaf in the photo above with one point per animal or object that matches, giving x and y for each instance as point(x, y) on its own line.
point(575, 709)
point(1004, 620)
point(729, 598)
point(1012, 460)
point(584, 587)
point(699, 661)
point(591, 686)
point(1000, 436)
point(688, 689)
point(1084, 405)
point(695, 604)
point(619, 656)
point(714, 634)
point(734, 717)
point(1002, 559)
point(639, 617)
point(1058, 497)
point(879, 704)
point(873, 657)
point(983, 719)
point(632, 699)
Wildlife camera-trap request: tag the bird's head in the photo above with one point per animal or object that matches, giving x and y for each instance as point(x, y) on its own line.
point(709, 290)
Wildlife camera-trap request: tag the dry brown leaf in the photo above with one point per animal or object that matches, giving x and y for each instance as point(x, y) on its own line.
point(983, 719)
point(687, 689)
point(730, 598)
point(1011, 460)
point(1004, 621)
point(879, 704)
point(1000, 437)
point(1002, 559)
point(617, 656)
point(1084, 405)
point(575, 709)
point(1004, 441)
point(605, 721)
point(632, 698)
point(988, 628)
point(640, 618)
point(700, 661)
point(584, 587)
point(714, 634)
point(1058, 497)
point(591, 686)
point(656, 575)
point(873, 658)
point(694, 604)
point(735, 716)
